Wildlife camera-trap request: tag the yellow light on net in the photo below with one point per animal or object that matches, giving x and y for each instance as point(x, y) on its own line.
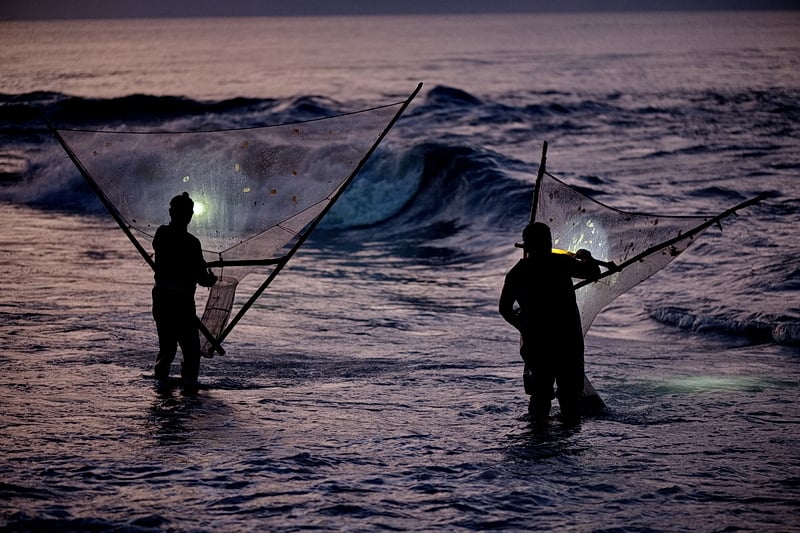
point(199, 208)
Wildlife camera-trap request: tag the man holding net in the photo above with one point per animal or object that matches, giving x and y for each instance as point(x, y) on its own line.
point(179, 268)
point(548, 319)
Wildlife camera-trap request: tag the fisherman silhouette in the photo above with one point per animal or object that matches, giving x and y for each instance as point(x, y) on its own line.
point(540, 284)
point(179, 267)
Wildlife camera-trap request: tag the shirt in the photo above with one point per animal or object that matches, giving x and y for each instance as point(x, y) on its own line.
point(179, 262)
point(542, 287)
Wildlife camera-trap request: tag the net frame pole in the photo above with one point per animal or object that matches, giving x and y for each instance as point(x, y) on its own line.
point(121, 222)
point(536, 186)
point(314, 223)
point(687, 235)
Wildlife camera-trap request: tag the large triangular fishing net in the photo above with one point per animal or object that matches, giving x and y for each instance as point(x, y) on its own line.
point(638, 245)
point(258, 191)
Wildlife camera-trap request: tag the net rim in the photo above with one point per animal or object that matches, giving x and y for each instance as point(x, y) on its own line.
point(225, 130)
point(631, 213)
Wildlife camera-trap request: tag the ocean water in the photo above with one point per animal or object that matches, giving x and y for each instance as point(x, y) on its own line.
point(374, 386)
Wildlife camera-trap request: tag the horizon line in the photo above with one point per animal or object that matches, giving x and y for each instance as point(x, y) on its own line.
point(90, 11)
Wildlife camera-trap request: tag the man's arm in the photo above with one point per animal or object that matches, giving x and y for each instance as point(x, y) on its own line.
point(585, 267)
point(205, 278)
point(507, 300)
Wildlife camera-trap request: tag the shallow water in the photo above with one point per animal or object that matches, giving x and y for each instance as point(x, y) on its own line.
point(374, 386)
point(405, 414)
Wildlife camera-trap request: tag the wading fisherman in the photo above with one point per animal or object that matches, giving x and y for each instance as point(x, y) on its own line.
point(179, 267)
point(548, 319)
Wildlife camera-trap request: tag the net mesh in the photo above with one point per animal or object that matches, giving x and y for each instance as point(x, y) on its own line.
point(254, 189)
point(218, 310)
point(639, 244)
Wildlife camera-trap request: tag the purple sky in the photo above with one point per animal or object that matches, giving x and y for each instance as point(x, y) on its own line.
point(33, 9)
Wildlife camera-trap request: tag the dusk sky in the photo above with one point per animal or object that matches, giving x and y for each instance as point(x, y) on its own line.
point(48, 9)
